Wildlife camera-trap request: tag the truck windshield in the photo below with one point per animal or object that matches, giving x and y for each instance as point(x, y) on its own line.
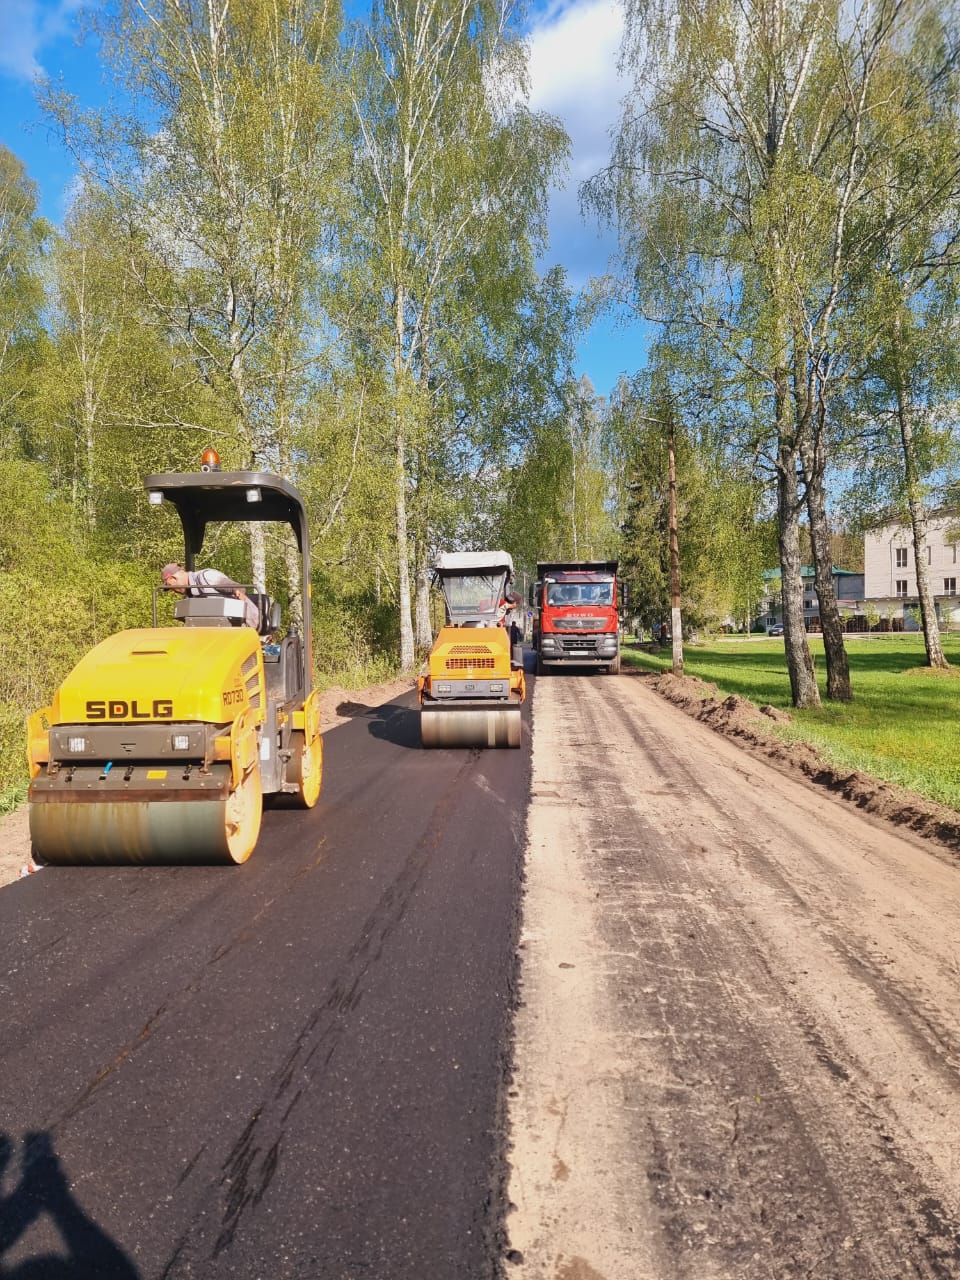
point(559, 593)
point(474, 595)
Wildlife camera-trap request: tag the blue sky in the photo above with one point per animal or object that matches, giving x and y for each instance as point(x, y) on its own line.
point(573, 50)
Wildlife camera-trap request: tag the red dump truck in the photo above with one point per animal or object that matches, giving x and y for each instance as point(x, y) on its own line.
point(575, 618)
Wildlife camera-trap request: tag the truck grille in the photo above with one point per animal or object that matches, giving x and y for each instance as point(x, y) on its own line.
point(470, 664)
point(469, 648)
point(578, 624)
point(578, 643)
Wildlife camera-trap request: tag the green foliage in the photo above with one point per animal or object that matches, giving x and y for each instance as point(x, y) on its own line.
point(231, 195)
point(56, 601)
point(23, 346)
point(453, 176)
point(785, 190)
point(354, 636)
point(724, 544)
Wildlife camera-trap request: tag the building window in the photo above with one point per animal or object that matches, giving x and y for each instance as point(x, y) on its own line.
point(901, 557)
point(953, 554)
point(929, 555)
point(949, 586)
point(901, 586)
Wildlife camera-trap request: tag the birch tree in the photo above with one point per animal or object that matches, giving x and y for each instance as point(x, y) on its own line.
point(911, 370)
point(905, 455)
point(741, 160)
point(118, 395)
point(454, 180)
point(233, 171)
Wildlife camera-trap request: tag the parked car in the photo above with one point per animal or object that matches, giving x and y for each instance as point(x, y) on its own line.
point(776, 629)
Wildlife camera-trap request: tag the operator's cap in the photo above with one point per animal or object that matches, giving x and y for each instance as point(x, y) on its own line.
point(167, 569)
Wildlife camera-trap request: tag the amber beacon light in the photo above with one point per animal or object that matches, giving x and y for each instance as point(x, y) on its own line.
point(210, 460)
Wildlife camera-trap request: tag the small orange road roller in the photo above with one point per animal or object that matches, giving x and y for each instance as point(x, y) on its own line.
point(472, 686)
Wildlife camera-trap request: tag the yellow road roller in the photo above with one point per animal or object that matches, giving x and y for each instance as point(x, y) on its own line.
point(162, 743)
point(472, 685)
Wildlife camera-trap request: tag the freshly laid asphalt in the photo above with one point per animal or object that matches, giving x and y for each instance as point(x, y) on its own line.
point(291, 1069)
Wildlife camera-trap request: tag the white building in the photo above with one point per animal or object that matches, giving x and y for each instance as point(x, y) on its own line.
point(890, 571)
point(847, 586)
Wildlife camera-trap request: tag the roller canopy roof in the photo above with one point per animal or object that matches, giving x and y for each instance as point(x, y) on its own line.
point(208, 497)
point(473, 561)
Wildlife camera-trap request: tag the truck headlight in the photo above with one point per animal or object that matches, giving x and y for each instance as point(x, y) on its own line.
point(76, 746)
point(180, 742)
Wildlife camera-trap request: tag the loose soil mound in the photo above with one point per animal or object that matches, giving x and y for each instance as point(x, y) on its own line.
point(741, 719)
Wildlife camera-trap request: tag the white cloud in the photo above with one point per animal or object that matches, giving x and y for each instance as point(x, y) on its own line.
point(573, 51)
point(19, 39)
point(26, 27)
point(573, 74)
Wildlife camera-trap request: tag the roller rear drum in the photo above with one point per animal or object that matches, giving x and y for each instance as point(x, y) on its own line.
point(470, 726)
point(73, 831)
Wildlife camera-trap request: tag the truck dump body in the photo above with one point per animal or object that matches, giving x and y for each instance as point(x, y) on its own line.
point(576, 622)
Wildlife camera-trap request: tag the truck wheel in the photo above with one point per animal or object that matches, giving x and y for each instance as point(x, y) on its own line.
point(540, 666)
point(614, 667)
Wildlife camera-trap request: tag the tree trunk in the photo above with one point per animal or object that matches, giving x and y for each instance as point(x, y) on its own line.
point(407, 645)
point(89, 414)
point(676, 619)
point(291, 559)
point(811, 442)
point(803, 682)
point(258, 550)
point(831, 623)
point(575, 542)
point(258, 556)
point(834, 650)
point(424, 624)
point(918, 523)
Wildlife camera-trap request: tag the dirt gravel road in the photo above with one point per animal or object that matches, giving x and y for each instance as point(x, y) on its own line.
point(738, 1046)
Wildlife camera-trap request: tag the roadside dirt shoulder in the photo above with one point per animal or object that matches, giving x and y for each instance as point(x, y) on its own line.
point(749, 723)
point(738, 1033)
point(337, 706)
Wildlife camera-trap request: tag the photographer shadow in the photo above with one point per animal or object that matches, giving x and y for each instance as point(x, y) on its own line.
point(397, 724)
point(43, 1191)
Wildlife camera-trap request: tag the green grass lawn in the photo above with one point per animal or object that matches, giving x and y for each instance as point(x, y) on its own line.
point(903, 724)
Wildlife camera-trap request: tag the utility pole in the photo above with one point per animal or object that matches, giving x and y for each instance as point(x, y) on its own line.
point(676, 621)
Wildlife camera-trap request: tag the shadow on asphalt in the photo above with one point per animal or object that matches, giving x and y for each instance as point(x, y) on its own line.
point(399, 725)
point(43, 1191)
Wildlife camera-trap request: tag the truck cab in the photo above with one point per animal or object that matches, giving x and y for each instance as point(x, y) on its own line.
point(576, 620)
